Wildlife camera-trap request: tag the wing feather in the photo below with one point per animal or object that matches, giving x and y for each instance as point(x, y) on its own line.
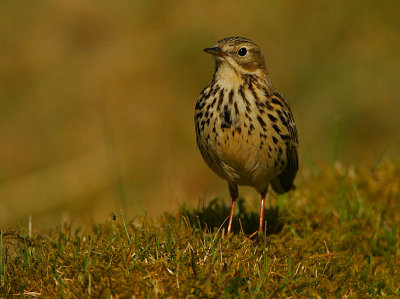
point(284, 181)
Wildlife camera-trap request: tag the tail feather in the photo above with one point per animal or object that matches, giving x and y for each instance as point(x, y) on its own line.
point(284, 181)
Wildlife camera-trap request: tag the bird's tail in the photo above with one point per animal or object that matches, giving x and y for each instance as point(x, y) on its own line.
point(280, 187)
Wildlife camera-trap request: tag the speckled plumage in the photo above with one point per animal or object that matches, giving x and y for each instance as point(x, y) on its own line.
point(244, 128)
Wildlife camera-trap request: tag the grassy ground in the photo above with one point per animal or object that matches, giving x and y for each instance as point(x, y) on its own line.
point(336, 235)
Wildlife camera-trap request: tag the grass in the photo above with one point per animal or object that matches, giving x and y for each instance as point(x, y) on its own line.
point(336, 235)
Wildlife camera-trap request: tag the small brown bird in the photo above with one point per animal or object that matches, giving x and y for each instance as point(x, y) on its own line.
point(244, 128)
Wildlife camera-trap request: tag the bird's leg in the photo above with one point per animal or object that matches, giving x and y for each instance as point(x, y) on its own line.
point(262, 211)
point(233, 190)
point(231, 215)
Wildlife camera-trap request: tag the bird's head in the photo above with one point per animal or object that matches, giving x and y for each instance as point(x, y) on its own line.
point(240, 54)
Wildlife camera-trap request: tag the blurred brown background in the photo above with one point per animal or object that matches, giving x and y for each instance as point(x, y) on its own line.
point(97, 97)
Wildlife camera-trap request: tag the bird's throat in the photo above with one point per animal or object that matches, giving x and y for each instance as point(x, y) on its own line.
point(228, 77)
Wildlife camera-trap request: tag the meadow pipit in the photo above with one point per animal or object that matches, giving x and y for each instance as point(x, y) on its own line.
point(244, 128)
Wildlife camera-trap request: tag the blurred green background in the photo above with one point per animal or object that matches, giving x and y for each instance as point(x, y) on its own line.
point(97, 97)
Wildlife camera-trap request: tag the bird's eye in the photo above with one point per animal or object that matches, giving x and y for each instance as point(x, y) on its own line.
point(242, 52)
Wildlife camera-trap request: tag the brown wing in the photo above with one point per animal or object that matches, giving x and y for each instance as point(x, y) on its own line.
point(284, 181)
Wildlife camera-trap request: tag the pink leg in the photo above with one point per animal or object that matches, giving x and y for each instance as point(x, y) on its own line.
point(231, 215)
point(233, 191)
point(262, 212)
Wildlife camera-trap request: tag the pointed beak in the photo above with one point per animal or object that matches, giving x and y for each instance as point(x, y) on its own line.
point(216, 51)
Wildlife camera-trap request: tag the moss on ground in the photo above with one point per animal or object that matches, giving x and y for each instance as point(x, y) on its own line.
point(336, 235)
